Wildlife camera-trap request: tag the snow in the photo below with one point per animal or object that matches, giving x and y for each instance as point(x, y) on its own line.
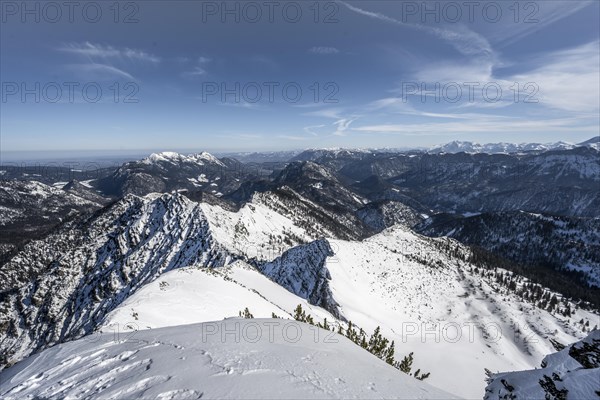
point(191, 295)
point(254, 231)
point(400, 281)
point(566, 372)
point(427, 301)
point(498, 148)
point(422, 304)
point(176, 158)
point(234, 358)
point(131, 243)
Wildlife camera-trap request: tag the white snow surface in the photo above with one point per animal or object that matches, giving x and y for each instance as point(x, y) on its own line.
point(255, 231)
point(430, 303)
point(566, 372)
point(192, 295)
point(397, 279)
point(177, 158)
point(456, 323)
point(233, 358)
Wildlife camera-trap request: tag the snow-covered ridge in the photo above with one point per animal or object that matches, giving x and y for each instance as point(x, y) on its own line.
point(61, 287)
point(234, 358)
point(178, 158)
point(571, 373)
point(191, 295)
point(397, 280)
point(498, 148)
point(415, 288)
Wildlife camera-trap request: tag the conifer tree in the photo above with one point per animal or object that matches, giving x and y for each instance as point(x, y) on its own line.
point(299, 314)
point(246, 314)
point(406, 364)
point(349, 331)
point(389, 355)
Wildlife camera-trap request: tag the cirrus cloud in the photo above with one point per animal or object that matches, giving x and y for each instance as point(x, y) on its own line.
point(323, 50)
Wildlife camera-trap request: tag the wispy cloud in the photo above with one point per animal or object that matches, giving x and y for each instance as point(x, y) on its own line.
point(94, 50)
point(329, 112)
point(105, 62)
point(196, 71)
point(464, 40)
point(569, 79)
point(310, 129)
point(264, 61)
point(343, 119)
point(199, 69)
point(342, 125)
point(482, 126)
point(241, 104)
point(246, 136)
point(566, 80)
point(397, 105)
point(294, 137)
point(543, 13)
point(98, 71)
point(323, 50)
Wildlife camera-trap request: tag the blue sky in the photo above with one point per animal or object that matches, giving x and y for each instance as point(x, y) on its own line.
point(373, 64)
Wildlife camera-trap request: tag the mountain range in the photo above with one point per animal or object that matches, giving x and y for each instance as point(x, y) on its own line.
point(468, 262)
point(507, 148)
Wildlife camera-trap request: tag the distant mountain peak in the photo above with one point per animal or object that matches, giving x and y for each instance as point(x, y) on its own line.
point(174, 158)
point(457, 146)
point(303, 170)
point(593, 143)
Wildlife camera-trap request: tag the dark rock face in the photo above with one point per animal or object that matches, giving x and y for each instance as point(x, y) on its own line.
point(302, 271)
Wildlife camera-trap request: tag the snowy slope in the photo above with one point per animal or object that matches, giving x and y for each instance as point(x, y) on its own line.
point(316, 220)
point(262, 358)
point(255, 231)
point(573, 372)
point(404, 282)
point(420, 291)
point(420, 295)
point(191, 295)
point(63, 286)
point(397, 280)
